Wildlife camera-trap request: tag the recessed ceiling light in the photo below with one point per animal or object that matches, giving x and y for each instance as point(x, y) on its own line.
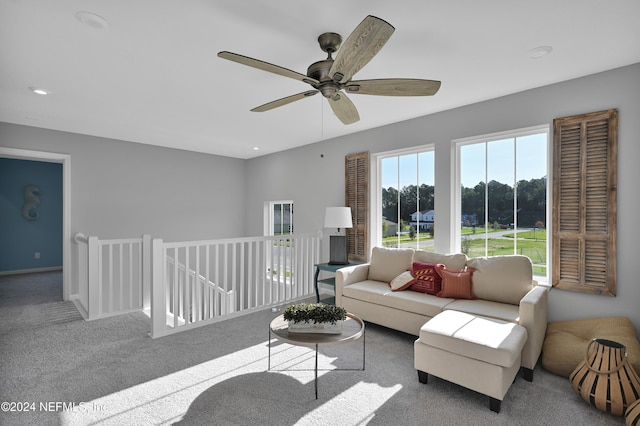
point(39, 91)
point(540, 51)
point(256, 148)
point(92, 20)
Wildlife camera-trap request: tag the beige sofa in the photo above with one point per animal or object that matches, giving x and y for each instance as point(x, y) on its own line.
point(503, 287)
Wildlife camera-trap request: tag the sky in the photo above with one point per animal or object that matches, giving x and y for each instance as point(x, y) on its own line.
point(531, 162)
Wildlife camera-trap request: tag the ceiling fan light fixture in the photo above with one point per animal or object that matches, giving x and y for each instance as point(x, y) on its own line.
point(540, 51)
point(39, 91)
point(92, 20)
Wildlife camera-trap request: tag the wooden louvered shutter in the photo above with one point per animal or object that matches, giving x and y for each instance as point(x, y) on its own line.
point(584, 201)
point(356, 169)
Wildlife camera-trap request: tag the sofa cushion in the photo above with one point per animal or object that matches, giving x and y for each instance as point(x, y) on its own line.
point(503, 279)
point(455, 283)
point(411, 301)
point(402, 281)
point(485, 308)
point(388, 263)
point(425, 278)
point(453, 261)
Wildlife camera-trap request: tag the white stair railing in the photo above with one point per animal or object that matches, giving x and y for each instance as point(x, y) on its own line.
point(200, 282)
point(111, 277)
point(198, 298)
point(193, 283)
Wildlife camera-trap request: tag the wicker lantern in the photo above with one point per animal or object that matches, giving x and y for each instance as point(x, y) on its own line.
point(633, 414)
point(605, 379)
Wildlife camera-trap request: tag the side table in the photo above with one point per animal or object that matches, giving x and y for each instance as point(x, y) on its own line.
point(329, 267)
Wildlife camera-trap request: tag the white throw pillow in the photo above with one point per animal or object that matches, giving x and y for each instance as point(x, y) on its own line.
point(402, 281)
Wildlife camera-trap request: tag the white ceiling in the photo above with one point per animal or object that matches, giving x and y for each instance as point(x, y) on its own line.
point(152, 75)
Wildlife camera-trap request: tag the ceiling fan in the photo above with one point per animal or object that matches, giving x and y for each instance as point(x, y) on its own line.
point(332, 77)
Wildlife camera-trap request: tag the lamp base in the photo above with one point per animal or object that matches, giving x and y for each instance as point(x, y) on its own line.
point(338, 250)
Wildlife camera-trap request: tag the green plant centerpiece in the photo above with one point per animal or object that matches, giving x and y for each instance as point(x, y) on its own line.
point(315, 318)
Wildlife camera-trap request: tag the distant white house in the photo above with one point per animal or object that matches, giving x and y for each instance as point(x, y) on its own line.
point(422, 220)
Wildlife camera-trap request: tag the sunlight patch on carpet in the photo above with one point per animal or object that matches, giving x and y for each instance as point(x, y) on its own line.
point(167, 399)
point(375, 395)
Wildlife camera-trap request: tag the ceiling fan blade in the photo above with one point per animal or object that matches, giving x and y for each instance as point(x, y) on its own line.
point(360, 47)
point(343, 108)
point(266, 66)
point(393, 87)
point(284, 101)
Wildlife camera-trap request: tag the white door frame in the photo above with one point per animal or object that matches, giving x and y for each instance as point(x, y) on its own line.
point(65, 160)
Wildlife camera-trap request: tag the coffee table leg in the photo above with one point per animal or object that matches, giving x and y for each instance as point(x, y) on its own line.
point(364, 345)
point(315, 283)
point(316, 378)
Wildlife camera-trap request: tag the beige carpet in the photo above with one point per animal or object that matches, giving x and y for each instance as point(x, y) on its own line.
point(109, 372)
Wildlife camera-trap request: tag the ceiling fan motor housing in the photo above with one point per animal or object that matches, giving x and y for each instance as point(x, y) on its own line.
point(320, 72)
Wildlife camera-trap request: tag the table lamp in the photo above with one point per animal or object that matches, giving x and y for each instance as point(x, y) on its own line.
point(338, 217)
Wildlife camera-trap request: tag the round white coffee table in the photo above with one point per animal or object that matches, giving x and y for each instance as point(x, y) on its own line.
point(352, 330)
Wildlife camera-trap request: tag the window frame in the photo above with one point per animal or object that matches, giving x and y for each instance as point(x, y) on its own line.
point(455, 231)
point(375, 208)
point(269, 217)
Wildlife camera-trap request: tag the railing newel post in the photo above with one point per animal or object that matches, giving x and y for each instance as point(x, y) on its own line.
point(158, 306)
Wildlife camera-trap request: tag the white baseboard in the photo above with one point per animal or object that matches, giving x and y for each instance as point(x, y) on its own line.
point(31, 271)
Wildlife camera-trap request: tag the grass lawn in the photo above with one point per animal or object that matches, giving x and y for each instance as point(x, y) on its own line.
point(535, 250)
point(531, 234)
point(531, 243)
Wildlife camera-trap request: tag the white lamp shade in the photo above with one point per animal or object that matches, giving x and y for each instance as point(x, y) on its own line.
point(338, 217)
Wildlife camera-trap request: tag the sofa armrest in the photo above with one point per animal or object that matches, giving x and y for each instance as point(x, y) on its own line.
point(533, 317)
point(349, 275)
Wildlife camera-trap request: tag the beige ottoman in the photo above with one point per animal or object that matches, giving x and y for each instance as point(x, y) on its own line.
point(481, 354)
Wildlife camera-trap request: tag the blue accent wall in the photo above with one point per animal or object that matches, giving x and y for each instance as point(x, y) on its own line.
point(21, 238)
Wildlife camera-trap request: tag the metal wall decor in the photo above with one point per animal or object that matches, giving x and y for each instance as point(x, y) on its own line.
point(31, 201)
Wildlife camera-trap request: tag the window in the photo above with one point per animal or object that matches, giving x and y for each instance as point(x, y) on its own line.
point(278, 222)
point(502, 199)
point(279, 218)
point(405, 195)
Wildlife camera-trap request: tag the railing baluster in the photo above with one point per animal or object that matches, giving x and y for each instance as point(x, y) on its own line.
point(120, 277)
point(176, 283)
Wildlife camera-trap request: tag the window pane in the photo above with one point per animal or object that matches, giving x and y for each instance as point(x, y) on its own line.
point(473, 205)
point(389, 179)
point(531, 167)
point(503, 198)
point(424, 228)
point(277, 219)
point(500, 207)
point(407, 200)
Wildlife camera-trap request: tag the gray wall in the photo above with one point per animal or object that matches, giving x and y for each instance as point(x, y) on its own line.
point(319, 182)
point(124, 190)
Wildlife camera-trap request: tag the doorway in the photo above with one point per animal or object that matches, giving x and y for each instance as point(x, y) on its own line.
point(65, 160)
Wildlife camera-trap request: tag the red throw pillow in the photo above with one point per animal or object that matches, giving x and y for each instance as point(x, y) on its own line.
point(455, 284)
point(425, 278)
